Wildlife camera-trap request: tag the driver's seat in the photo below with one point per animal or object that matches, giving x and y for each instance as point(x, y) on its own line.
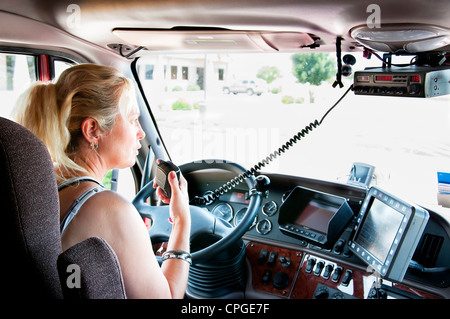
point(29, 219)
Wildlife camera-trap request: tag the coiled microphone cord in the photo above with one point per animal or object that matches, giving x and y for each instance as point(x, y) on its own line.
point(211, 196)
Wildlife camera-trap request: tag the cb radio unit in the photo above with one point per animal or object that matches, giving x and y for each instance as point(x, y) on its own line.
point(410, 81)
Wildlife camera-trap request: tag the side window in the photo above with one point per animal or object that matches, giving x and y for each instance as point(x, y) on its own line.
point(121, 181)
point(17, 72)
point(59, 66)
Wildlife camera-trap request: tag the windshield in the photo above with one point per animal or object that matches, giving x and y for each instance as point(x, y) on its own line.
point(242, 107)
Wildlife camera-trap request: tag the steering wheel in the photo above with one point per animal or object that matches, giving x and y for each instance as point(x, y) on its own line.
point(201, 221)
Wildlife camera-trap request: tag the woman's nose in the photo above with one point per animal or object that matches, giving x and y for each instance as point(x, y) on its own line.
point(141, 133)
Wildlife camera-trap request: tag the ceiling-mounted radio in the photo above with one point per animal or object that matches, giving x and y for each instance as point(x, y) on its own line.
point(411, 81)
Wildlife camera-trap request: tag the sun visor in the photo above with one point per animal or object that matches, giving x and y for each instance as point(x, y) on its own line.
point(214, 40)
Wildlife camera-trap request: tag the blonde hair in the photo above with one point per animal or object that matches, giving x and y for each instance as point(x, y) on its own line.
point(54, 111)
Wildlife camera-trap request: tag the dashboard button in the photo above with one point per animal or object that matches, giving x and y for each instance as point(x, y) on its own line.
point(319, 268)
point(328, 270)
point(262, 256)
point(266, 277)
point(347, 277)
point(337, 274)
point(310, 264)
point(272, 258)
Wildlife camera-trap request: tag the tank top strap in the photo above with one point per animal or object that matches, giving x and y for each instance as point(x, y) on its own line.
point(80, 200)
point(74, 180)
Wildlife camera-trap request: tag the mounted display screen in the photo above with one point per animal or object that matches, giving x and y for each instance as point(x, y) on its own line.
point(361, 174)
point(314, 216)
point(387, 233)
point(379, 229)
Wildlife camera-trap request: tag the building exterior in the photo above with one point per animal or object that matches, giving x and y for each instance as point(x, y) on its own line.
point(163, 76)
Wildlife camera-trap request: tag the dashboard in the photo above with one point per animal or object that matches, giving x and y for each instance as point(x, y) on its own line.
point(283, 264)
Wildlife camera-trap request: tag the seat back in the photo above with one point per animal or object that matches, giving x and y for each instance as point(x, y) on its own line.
point(90, 270)
point(30, 234)
point(29, 217)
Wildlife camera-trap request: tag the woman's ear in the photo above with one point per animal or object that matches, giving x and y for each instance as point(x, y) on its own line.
point(90, 130)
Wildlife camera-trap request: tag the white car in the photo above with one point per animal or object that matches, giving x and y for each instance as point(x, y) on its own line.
point(248, 87)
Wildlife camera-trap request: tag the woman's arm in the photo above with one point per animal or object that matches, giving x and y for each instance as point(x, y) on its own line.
point(117, 221)
point(175, 270)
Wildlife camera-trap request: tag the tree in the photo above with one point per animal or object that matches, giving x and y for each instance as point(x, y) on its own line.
point(313, 68)
point(268, 74)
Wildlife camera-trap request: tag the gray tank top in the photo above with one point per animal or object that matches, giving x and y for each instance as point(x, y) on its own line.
point(80, 200)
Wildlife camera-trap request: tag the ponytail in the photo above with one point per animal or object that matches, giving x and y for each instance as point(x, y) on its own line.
point(54, 111)
point(37, 109)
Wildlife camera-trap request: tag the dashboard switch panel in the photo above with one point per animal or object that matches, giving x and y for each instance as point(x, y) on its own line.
point(277, 275)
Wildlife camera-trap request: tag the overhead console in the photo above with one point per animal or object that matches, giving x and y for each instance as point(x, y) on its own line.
point(387, 232)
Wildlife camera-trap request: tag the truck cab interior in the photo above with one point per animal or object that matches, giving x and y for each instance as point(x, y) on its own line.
point(327, 176)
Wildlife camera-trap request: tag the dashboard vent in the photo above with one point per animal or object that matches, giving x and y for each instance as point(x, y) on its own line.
point(427, 253)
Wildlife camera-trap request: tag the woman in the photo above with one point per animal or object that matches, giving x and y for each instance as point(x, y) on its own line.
point(89, 122)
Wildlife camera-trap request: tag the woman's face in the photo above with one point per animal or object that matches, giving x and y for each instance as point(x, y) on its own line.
point(119, 147)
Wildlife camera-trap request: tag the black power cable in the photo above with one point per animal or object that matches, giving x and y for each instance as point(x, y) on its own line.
point(339, 63)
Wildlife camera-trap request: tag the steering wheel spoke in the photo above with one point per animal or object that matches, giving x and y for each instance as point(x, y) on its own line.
point(161, 226)
point(222, 228)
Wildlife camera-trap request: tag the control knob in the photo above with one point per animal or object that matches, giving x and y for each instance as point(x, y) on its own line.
point(321, 293)
point(280, 280)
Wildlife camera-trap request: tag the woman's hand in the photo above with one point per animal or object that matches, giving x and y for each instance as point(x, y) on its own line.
point(179, 200)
